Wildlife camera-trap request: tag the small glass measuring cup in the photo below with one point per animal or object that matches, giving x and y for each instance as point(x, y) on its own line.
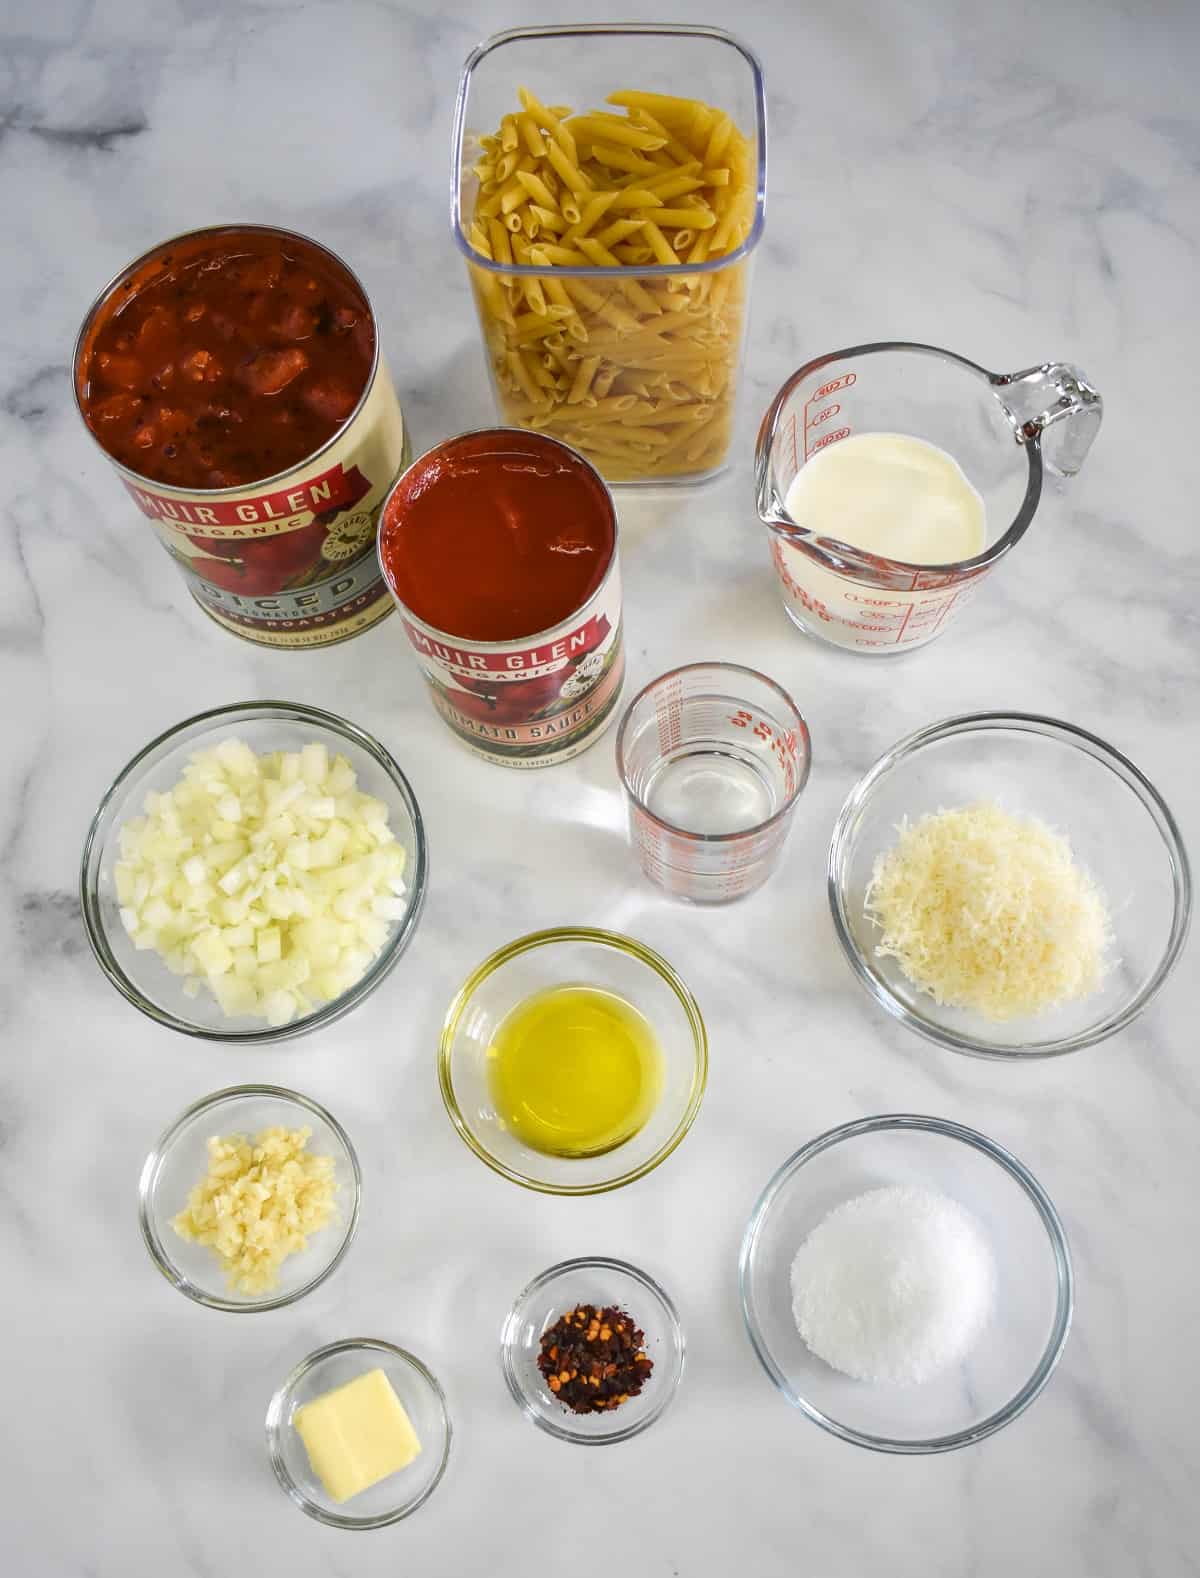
point(1003, 429)
point(712, 758)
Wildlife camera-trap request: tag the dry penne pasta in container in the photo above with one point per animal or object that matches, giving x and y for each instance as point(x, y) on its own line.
point(609, 252)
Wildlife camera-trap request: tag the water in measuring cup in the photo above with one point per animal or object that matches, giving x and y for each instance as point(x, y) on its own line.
point(711, 786)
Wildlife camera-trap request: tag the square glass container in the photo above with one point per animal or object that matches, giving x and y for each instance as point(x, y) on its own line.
point(636, 362)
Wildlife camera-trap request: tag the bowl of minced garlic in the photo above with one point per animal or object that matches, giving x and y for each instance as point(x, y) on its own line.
point(250, 1199)
point(1008, 885)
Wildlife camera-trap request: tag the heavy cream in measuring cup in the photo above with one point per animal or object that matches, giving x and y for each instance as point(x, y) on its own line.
point(891, 494)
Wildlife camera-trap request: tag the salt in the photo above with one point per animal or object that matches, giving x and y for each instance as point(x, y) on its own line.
point(894, 1285)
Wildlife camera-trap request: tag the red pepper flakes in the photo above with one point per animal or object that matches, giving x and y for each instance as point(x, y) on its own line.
point(593, 1360)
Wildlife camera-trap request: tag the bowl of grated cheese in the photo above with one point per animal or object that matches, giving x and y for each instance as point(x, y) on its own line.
point(1009, 885)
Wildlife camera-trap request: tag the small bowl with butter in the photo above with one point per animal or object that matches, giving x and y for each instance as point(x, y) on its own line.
point(359, 1434)
point(250, 1199)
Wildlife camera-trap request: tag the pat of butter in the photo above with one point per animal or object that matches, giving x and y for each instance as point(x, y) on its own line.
point(357, 1435)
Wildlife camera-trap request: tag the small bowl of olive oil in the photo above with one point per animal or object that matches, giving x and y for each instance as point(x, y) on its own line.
point(573, 1061)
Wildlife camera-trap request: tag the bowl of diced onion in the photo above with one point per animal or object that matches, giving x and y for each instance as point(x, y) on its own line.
point(254, 872)
point(1009, 885)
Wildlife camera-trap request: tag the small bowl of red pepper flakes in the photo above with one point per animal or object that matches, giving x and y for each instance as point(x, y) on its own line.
point(592, 1350)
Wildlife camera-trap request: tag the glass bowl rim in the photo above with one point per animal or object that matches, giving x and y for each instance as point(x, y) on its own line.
point(153, 1165)
point(1043, 727)
point(1056, 1235)
point(274, 1427)
point(744, 832)
point(585, 30)
point(608, 939)
point(254, 711)
point(564, 1268)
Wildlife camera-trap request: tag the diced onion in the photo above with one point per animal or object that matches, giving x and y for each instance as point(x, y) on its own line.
point(272, 881)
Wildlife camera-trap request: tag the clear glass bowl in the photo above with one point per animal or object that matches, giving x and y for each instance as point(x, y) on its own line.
point(1017, 1351)
point(141, 977)
point(572, 956)
point(1120, 831)
point(424, 1402)
point(180, 1161)
point(600, 1282)
point(580, 66)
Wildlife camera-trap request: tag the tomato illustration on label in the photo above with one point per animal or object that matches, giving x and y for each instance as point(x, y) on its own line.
point(271, 565)
point(504, 702)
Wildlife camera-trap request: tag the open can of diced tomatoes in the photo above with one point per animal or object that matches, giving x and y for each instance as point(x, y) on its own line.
point(234, 378)
point(500, 549)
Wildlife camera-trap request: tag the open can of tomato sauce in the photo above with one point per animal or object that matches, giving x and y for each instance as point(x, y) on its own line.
point(500, 548)
point(233, 376)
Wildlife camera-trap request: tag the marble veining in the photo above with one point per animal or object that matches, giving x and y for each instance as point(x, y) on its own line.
point(1019, 183)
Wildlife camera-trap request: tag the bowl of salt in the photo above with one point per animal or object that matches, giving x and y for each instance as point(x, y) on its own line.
point(906, 1284)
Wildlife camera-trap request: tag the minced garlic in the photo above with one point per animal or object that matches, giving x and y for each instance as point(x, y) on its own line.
point(258, 1204)
point(989, 911)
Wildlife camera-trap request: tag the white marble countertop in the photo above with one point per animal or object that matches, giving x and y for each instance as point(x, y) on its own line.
point(1016, 182)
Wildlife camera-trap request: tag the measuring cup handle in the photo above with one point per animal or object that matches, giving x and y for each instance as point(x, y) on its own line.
point(1054, 404)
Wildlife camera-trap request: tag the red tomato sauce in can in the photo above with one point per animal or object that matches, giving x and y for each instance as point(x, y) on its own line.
point(500, 548)
point(492, 537)
point(233, 377)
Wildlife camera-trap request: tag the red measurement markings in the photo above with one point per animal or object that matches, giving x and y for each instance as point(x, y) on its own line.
point(944, 612)
point(783, 746)
point(667, 711)
point(846, 381)
point(842, 381)
point(830, 438)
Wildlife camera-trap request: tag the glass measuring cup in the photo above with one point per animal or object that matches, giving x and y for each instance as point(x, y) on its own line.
point(712, 758)
point(1003, 429)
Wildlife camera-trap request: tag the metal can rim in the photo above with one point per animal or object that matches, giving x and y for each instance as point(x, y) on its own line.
point(169, 489)
point(516, 642)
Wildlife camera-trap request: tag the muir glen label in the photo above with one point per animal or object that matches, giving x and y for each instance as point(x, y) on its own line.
point(534, 704)
point(292, 564)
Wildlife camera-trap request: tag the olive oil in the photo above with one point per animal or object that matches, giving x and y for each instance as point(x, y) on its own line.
point(574, 1071)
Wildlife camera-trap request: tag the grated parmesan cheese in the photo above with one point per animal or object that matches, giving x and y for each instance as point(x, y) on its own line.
point(988, 911)
point(258, 1204)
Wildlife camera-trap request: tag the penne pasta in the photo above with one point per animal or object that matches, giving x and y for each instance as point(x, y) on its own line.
point(618, 158)
point(637, 367)
point(636, 197)
point(693, 218)
point(548, 218)
point(658, 243)
point(584, 373)
point(592, 211)
point(549, 121)
point(534, 186)
point(618, 230)
point(572, 176)
point(671, 144)
point(531, 135)
point(614, 130)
